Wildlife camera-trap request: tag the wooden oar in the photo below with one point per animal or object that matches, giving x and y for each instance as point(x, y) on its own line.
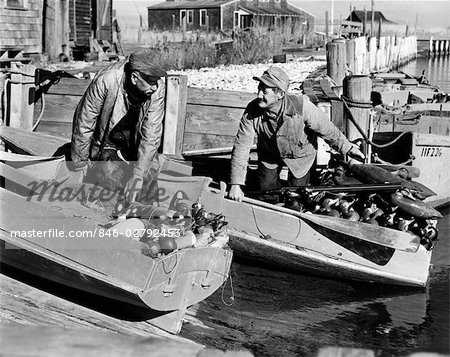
point(364, 231)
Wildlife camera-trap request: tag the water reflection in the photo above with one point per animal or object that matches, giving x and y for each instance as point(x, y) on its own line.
point(276, 312)
point(285, 314)
point(437, 70)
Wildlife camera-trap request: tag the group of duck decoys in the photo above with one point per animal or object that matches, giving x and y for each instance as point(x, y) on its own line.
point(369, 194)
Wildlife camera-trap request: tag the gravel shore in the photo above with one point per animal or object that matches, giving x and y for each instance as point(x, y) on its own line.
point(231, 77)
point(240, 77)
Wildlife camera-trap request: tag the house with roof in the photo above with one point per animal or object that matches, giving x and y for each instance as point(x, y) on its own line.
point(359, 21)
point(227, 15)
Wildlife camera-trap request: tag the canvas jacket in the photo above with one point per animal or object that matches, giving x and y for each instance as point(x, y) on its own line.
point(290, 139)
point(101, 108)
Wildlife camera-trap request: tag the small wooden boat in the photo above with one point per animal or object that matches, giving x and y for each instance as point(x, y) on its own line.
point(307, 242)
point(324, 246)
point(56, 236)
point(397, 88)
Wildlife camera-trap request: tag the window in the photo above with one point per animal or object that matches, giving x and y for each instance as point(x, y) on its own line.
point(203, 17)
point(16, 4)
point(190, 17)
point(236, 19)
point(182, 17)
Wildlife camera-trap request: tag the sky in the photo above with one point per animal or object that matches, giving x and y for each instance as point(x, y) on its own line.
point(429, 13)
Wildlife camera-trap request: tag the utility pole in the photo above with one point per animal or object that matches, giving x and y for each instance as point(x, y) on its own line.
point(365, 22)
point(372, 30)
point(332, 18)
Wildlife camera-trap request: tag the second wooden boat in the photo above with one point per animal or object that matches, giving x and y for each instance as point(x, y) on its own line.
point(57, 236)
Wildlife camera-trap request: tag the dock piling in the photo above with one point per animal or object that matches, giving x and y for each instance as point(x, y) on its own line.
point(363, 56)
point(438, 47)
point(336, 60)
point(174, 120)
point(350, 56)
point(357, 91)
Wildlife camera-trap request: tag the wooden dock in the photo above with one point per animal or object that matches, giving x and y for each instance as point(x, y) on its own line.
point(434, 47)
point(30, 301)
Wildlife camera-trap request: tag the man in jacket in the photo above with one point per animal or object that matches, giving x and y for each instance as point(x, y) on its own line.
point(120, 118)
point(286, 127)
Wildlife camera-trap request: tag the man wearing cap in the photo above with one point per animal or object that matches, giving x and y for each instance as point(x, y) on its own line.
point(286, 127)
point(120, 118)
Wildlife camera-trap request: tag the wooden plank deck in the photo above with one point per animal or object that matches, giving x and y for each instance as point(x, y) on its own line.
point(27, 300)
point(46, 341)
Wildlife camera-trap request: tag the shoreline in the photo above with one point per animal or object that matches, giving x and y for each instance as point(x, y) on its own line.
point(240, 77)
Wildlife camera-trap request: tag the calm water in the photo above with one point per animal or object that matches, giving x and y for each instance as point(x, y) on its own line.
point(285, 314)
point(278, 313)
point(437, 70)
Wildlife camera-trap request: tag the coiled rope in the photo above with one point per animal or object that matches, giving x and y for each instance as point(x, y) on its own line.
point(357, 104)
point(365, 105)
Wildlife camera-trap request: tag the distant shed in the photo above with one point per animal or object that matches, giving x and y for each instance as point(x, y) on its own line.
point(353, 25)
point(359, 15)
point(227, 15)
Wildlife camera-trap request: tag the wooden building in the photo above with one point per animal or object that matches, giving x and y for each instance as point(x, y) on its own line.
point(53, 27)
point(227, 15)
point(33, 27)
point(359, 22)
point(89, 19)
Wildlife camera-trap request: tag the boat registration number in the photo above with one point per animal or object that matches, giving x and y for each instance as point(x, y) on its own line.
point(431, 152)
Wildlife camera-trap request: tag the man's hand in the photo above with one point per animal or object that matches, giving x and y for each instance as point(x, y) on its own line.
point(236, 193)
point(356, 153)
point(133, 188)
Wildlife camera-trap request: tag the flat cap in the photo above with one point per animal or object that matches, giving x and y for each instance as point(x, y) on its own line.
point(274, 77)
point(144, 61)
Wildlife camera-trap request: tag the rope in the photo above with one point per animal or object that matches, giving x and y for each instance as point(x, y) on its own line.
point(268, 235)
point(357, 104)
point(388, 109)
point(257, 226)
point(376, 159)
point(363, 134)
point(232, 292)
point(168, 271)
point(38, 120)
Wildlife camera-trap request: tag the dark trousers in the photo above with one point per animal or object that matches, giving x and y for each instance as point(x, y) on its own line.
point(269, 179)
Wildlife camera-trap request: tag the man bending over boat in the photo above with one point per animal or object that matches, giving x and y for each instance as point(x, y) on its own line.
point(120, 118)
point(286, 127)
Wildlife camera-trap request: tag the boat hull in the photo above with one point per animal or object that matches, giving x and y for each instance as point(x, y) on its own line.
point(165, 289)
point(280, 239)
point(295, 258)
